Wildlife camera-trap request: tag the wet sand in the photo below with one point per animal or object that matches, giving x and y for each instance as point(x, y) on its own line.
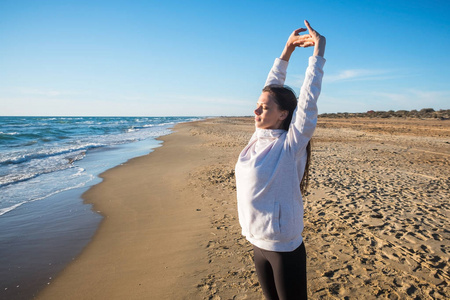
point(376, 219)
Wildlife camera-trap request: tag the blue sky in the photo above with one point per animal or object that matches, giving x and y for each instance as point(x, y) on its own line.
point(163, 58)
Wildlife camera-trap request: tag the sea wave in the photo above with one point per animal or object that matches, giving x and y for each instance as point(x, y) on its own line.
point(17, 158)
point(43, 156)
point(4, 210)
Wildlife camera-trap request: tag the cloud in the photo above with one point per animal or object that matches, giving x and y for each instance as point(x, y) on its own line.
point(41, 92)
point(360, 74)
point(296, 80)
point(417, 98)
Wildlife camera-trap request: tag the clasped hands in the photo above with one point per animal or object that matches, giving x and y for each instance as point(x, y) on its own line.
point(313, 38)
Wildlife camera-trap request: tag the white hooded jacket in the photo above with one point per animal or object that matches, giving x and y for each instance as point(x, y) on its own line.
point(271, 166)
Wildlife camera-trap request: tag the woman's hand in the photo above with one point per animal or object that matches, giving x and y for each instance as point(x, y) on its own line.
point(296, 40)
point(319, 40)
point(313, 38)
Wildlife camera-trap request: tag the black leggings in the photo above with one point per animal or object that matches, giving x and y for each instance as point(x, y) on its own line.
point(282, 275)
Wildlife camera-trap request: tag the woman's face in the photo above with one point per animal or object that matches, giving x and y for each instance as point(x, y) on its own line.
point(267, 113)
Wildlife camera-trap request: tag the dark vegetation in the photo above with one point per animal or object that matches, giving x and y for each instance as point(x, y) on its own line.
point(425, 113)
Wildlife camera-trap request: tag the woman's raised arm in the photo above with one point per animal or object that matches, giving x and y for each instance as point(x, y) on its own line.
point(305, 117)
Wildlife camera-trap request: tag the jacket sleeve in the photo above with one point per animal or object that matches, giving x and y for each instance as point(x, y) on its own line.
point(277, 74)
point(304, 119)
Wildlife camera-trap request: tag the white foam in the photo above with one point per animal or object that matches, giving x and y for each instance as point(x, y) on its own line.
point(8, 209)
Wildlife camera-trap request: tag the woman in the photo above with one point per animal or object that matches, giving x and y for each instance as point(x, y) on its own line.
point(271, 167)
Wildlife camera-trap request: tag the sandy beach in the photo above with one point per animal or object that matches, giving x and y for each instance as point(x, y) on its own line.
point(376, 218)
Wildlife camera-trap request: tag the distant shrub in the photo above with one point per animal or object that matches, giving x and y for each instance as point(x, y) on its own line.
point(425, 113)
point(426, 110)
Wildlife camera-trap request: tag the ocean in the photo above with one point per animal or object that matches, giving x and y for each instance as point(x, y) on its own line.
point(46, 163)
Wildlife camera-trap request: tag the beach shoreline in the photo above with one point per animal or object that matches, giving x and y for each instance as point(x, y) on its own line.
point(170, 228)
point(44, 223)
point(172, 247)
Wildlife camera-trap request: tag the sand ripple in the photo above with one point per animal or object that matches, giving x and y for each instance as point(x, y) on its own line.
point(376, 220)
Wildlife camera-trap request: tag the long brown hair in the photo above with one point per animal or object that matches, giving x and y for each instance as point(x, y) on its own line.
point(286, 99)
point(304, 184)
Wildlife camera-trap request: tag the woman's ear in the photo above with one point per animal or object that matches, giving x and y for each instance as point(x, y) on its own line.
point(284, 115)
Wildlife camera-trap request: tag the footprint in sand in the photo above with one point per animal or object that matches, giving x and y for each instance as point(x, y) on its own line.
point(436, 237)
point(425, 248)
point(329, 274)
point(411, 290)
point(398, 235)
point(336, 289)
